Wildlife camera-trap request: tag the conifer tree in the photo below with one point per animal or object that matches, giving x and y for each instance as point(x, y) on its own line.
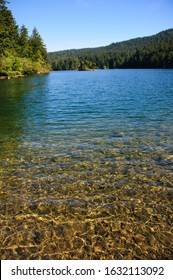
point(8, 29)
point(38, 49)
point(24, 47)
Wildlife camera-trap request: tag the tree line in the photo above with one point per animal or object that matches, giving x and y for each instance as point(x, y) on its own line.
point(20, 54)
point(148, 52)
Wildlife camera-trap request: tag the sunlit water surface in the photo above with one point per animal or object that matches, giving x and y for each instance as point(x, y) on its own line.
point(86, 165)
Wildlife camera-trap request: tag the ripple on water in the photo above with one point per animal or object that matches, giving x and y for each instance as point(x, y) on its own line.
point(86, 173)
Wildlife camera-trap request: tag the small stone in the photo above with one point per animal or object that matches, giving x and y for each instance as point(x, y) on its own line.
point(169, 157)
point(139, 238)
point(170, 193)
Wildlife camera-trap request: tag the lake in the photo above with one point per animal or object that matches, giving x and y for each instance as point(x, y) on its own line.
point(86, 165)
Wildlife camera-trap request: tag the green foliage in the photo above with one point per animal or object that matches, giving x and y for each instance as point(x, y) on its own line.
point(149, 52)
point(37, 47)
point(23, 43)
point(8, 30)
point(3, 3)
point(19, 53)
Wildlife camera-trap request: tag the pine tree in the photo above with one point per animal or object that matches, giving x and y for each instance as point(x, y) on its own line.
point(8, 29)
point(38, 49)
point(24, 47)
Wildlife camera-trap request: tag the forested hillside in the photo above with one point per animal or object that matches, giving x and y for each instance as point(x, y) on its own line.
point(148, 52)
point(20, 54)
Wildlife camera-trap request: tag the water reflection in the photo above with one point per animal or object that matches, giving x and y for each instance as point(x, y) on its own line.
point(15, 124)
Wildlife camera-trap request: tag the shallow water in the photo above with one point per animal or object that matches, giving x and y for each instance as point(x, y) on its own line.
point(86, 165)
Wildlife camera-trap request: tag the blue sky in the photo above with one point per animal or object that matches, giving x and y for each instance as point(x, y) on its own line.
point(67, 24)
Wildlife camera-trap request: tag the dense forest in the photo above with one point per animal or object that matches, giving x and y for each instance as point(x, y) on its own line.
point(148, 52)
point(20, 54)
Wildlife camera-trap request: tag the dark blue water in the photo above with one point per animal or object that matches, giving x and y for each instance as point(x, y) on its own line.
point(86, 139)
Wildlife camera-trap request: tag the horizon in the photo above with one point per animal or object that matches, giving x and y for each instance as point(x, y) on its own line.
point(79, 24)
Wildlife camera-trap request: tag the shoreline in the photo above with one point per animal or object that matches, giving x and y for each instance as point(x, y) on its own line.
point(11, 77)
point(22, 75)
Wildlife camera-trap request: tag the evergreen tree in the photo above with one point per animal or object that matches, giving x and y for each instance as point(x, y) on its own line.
point(38, 49)
point(24, 47)
point(8, 29)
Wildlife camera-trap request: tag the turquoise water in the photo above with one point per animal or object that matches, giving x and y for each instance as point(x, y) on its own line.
point(83, 156)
